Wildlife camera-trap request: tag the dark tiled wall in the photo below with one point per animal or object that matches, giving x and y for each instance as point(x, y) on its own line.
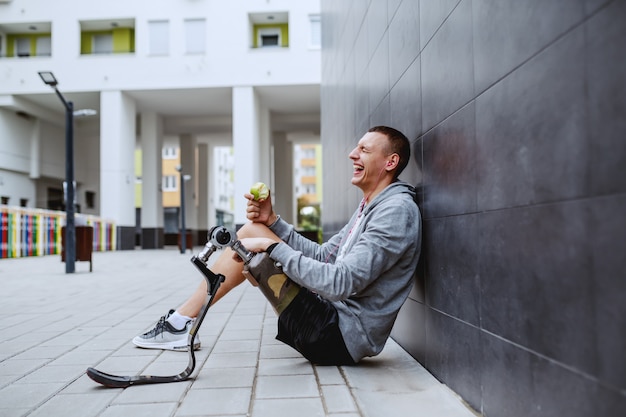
point(517, 115)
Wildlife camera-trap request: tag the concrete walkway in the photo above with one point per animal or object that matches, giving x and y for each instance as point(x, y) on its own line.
point(55, 325)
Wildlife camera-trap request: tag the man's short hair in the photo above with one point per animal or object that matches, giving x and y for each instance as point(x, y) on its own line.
point(398, 144)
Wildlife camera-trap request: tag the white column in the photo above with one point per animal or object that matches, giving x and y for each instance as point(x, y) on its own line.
point(251, 146)
point(266, 165)
point(151, 163)
point(284, 201)
point(203, 170)
point(246, 146)
point(151, 175)
point(211, 186)
point(117, 147)
point(188, 163)
point(35, 151)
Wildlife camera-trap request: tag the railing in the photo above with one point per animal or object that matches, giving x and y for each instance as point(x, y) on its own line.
point(37, 232)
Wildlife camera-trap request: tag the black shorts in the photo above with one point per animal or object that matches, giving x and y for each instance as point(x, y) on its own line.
point(310, 325)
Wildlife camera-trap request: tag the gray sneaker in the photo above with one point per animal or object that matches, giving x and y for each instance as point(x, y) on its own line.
point(165, 336)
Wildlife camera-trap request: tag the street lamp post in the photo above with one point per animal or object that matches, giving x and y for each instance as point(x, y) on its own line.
point(70, 210)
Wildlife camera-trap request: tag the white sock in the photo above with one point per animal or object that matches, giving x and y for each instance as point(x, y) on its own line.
point(177, 320)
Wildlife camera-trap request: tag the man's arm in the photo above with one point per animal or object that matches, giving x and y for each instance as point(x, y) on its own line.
point(384, 240)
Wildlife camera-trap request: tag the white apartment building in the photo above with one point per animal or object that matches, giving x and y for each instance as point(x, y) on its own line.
point(197, 73)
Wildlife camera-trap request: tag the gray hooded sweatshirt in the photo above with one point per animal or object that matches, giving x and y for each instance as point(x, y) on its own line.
point(369, 284)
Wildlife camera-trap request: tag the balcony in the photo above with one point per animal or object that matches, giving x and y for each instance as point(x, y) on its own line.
point(24, 40)
point(107, 36)
point(269, 30)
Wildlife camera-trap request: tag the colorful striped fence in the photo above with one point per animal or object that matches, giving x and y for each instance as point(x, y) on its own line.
point(37, 232)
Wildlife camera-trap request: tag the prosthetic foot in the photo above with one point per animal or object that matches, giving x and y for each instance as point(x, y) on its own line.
point(213, 283)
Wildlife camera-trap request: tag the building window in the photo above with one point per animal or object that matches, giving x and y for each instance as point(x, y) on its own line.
point(102, 44)
point(170, 219)
point(44, 46)
point(4, 200)
point(195, 30)
point(169, 152)
point(307, 152)
point(22, 47)
point(90, 199)
point(169, 183)
point(315, 41)
point(159, 32)
point(268, 37)
point(269, 29)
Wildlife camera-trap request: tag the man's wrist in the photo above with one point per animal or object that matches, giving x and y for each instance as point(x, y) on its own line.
point(271, 247)
point(273, 219)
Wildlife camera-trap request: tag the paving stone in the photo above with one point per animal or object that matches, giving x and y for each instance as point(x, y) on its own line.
point(287, 386)
point(216, 402)
point(140, 410)
point(300, 407)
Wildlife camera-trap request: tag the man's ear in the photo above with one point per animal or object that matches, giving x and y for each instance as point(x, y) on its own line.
point(392, 161)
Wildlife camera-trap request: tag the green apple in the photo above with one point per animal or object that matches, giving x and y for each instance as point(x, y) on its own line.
point(260, 191)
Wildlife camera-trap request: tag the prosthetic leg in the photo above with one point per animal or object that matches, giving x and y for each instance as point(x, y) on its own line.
point(260, 270)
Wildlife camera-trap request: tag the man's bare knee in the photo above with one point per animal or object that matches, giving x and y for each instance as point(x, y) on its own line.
point(252, 229)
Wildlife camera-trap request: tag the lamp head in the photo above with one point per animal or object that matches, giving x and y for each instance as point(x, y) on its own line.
point(85, 112)
point(48, 78)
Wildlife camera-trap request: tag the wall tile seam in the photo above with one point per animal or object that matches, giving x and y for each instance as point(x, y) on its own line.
point(478, 94)
point(599, 9)
point(430, 307)
point(384, 36)
point(395, 12)
point(443, 22)
point(575, 26)
point(446, 118)
point(589, 198)
point(569, 368)
point(392, 86)
point(539, 355)
point(352, 48)
point(345, 26)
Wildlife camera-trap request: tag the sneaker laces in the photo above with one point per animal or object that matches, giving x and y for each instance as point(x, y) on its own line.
point(158, 328)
